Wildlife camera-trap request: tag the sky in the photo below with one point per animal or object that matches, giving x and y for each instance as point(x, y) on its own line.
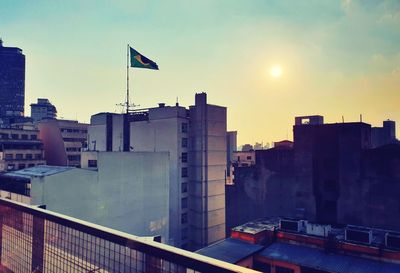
point(338, 58)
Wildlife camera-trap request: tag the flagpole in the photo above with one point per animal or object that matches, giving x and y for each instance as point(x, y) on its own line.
point(127, 80)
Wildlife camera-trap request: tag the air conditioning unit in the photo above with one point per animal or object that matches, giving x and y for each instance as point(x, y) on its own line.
point(392, 240)
point(358, 234)
point(291, 225)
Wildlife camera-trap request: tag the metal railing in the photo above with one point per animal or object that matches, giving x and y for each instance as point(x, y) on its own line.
point(37, 240)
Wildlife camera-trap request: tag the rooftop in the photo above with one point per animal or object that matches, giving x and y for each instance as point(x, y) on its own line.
point(39, 171)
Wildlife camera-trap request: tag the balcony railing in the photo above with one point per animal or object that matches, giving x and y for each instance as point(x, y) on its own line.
point(37, 240)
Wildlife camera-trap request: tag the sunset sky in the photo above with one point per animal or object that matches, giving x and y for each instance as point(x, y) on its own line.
point(336, 58)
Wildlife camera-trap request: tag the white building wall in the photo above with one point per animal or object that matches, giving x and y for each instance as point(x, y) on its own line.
point(129, 192)
point(162, 133)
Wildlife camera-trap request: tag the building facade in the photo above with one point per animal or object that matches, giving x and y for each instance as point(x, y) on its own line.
point(20, 149)
point(131, 199)
point(43, 109)
point(12, 84)
point(63, 141)
point(195, 145)
point(332, 175)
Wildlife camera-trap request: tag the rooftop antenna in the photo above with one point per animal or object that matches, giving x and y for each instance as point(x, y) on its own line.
point(177, 102)
point(1, 42)
point(361, 118)
point(342, 119)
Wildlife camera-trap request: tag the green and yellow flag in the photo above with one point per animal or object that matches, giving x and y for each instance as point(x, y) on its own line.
point(140, 61)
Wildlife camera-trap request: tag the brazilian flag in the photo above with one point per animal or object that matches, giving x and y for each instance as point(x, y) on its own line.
point(140, 61)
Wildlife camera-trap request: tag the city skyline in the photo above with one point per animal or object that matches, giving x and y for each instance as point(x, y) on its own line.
point(76, 57)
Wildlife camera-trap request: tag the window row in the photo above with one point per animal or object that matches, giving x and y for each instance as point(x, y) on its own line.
point(17, 136)
point(21, 156)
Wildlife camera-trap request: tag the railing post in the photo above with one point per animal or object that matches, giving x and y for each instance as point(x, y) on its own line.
point(1, 235)
point(37, 244)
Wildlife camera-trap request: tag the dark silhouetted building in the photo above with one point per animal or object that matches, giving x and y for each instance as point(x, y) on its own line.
point(12, 84)
point(384, 135)
point(332, 175)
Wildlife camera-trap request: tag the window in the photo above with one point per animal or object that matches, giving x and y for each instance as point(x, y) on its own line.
point(18, 156)
point(184, 127)
point(184, 157)
point(92, 163)
point(33, 137)
point(14, 136)
point(184, 187)
point(184, 203)
point(184, 172)
point(248, 157)
point(184, 218)
point(74, 157)
point(21, 166)
point(28, 156)
point(38, 156)
point(185, 233)
point(184, 142)
point(10, 167)
point(9, 156)
point(24, 136)
point(31, 165)
point(4, 136)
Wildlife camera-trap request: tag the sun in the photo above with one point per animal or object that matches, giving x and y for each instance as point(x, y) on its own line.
point(276, 71)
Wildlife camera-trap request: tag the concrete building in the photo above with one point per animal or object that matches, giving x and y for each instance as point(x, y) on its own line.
point(207, 169)
point(127, 191)
point(63, 141)
point(231, 147)
point(20, 149)
point(12, 84)
point(332, 175)
point(169, 129)
point(43, 109)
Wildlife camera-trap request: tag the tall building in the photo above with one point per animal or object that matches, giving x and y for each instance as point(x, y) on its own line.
point(43, 109)
point(196, 141)
point(12, 84)
point(207, 168)
point(63, 141)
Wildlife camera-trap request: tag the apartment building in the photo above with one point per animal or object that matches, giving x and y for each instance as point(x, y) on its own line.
point(63, 141)
point(20, 149)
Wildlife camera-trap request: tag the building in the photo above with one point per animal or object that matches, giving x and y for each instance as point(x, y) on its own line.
point(244, 158)
point(247, 148)
point(133, 199)
point(12, 84)
point(287, 245)
point(207, 170)
point(195, 160)
point(43, 109)
point(384, 135)
point(231, 147)
point(63, 141)
point(20, 149)
point(332, 175)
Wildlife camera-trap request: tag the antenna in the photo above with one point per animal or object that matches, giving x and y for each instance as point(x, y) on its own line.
point(361, 118)
point(342, 119)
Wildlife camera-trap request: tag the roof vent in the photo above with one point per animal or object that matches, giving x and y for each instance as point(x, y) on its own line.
point(358, 234)
point(392, 240)
point(290, 225)
point(161, 105)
